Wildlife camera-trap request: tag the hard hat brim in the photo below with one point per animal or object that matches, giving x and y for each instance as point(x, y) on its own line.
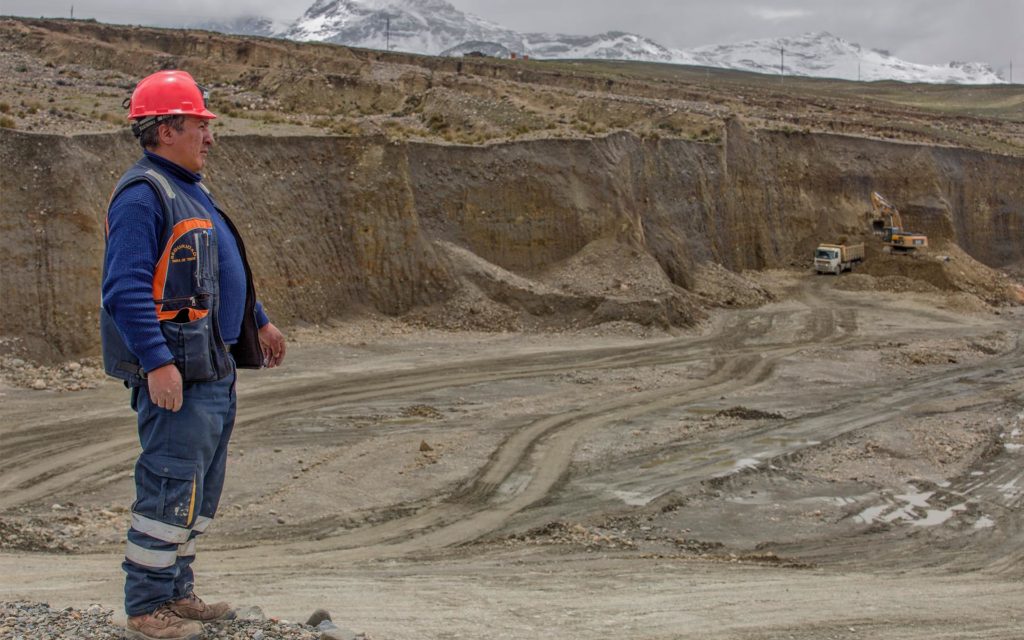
point(205, 114)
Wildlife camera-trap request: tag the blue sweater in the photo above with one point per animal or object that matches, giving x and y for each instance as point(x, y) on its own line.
point(136, 221)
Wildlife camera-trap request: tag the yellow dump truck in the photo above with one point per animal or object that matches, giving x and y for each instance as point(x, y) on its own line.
point(837, 258)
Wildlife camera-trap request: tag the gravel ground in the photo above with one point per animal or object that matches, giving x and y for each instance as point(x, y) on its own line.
point(38, 621)
point(74, 375)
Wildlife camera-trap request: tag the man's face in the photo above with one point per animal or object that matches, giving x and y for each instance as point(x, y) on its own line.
point(187, 148)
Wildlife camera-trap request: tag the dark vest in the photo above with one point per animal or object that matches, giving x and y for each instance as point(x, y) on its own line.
point(186, 292)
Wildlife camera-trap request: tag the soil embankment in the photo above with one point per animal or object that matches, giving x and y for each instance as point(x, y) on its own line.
point(336, 225)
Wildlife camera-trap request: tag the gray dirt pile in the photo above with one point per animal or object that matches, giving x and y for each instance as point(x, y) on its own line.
point(605, 282)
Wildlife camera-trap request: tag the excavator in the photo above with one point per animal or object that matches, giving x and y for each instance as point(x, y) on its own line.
point(888, 222)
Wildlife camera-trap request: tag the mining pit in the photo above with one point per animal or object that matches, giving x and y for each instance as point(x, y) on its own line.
point(559, 364)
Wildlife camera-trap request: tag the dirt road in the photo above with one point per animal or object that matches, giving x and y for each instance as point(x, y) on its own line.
point(839, 464)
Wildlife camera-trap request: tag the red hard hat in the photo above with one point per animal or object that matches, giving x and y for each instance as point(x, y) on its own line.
point(168, 93)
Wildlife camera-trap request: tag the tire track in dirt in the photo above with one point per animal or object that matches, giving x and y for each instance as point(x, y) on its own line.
point(73, 456)
point(536, 458)
point(531, 463)
point(523, 471)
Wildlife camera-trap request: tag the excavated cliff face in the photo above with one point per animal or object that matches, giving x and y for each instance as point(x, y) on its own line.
point(335, 225)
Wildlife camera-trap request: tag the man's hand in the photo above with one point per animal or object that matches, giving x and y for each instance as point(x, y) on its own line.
point(165, 387)
point(272, 341)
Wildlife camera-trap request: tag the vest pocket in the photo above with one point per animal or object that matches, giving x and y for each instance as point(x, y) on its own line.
point(191, 344)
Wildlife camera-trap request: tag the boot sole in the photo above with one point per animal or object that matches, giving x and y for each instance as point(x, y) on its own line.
point(138, 635)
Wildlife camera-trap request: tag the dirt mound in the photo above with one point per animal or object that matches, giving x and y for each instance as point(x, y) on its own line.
point(938, 269)
point(607, 267)
point(605, 282)
point(723, 288)
point(467, 309)
point(744, 413)
point(970, 276)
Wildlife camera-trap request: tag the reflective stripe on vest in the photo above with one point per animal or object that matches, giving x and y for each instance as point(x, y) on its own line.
point(159, 177)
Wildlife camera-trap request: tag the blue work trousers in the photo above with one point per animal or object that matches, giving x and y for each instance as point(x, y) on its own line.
point(178, 481)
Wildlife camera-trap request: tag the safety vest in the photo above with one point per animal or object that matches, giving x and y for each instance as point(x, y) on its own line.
point(186, 291)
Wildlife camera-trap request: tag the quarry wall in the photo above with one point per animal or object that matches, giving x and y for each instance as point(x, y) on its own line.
point(334, 225)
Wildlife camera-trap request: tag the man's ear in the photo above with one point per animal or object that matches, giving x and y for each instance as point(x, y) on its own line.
point(166, 133)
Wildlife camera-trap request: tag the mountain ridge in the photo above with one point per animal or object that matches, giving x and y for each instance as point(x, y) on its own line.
point(436, 27)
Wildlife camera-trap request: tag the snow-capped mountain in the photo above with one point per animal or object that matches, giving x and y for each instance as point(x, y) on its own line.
point(436, 27)
point(612, 45)
point(243, 26)
point(824, 55)
point(417, 26)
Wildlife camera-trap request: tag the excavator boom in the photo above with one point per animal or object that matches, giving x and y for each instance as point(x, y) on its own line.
point(885, 211)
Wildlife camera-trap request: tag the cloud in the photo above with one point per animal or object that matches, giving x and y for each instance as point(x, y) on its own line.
point(778, 15)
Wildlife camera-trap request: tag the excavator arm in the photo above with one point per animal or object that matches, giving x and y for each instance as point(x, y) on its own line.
point(885, 212)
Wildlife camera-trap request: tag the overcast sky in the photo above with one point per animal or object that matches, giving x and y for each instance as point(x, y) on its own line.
point(928, 31)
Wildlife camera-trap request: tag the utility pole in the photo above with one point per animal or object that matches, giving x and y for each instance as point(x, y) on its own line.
point(782, 64)
point(72, 12)
point(387, 32)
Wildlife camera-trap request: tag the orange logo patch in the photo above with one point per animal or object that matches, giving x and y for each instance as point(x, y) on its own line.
point(183, 252)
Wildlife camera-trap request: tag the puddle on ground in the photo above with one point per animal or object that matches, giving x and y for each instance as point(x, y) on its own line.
point(911, 508)
point(633, 498)
point(984, 522)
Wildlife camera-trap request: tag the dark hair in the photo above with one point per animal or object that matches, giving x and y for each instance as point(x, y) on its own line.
point(150, 136)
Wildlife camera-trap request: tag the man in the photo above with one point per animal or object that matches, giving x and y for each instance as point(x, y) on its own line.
point(179, 313)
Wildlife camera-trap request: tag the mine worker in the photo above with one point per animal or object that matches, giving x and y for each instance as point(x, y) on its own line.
point(179, 313)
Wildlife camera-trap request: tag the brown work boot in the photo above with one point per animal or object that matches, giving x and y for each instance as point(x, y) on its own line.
point(192, 607)
point(162, 624)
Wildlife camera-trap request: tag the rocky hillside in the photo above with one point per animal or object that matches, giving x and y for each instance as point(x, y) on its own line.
point(483, 193)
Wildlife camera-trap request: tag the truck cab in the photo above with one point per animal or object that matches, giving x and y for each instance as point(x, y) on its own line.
point(828, 260)
point(837, 258)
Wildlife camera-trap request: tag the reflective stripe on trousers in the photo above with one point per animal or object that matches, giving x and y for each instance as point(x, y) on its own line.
point(179, 477)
